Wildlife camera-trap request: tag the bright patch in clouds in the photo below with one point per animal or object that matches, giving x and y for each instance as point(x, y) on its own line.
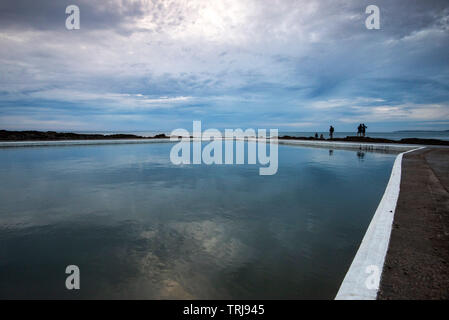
point(294, 65)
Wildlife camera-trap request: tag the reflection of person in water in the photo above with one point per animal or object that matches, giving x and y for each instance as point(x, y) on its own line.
point(331, 152)
point(331, 132)
point(360, 155)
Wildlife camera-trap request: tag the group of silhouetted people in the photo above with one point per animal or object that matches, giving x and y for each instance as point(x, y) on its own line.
point(361, 130)
point(331, 134)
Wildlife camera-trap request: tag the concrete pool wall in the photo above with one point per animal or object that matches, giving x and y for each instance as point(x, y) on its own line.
point(383, 147)
point(363, 277)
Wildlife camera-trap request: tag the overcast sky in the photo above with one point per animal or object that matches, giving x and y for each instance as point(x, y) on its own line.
point(158, 65)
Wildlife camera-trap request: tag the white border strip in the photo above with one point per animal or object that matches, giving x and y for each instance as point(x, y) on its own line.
point(362, 279)
point(365, 146)
point(385, 147)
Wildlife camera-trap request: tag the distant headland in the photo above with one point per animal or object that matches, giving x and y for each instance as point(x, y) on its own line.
point(411, 131)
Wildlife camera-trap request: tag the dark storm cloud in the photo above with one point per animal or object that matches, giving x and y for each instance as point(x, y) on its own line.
point(50, 14)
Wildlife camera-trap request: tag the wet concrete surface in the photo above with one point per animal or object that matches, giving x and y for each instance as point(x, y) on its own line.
point(417, 261)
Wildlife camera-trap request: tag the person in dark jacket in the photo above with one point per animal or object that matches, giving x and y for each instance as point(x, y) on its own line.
point(363, 129)
point(331, 132)
point(359, 130)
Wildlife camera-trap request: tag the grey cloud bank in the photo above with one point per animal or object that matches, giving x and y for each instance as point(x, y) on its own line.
point(295, 65)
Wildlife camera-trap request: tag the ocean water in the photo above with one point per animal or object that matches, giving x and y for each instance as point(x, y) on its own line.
point(139, 227)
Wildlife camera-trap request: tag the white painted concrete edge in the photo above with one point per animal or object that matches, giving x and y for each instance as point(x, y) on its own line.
point(364, 146)
point(370, 257)
point(306, 143)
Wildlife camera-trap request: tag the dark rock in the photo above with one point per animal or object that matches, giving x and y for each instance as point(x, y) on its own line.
point(6, 135)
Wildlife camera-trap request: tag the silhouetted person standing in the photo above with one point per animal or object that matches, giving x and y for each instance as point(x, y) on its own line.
point(359, 130)
point(316, 135)
point(331, 132)
point(363, 129)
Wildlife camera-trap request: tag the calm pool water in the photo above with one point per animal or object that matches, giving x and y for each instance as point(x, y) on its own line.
point(139, 227)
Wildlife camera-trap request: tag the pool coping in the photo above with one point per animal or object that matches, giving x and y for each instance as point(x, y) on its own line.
point(361, 282)
point(364, 146)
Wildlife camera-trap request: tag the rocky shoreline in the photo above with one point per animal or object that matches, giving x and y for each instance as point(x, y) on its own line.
point(6, 135)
